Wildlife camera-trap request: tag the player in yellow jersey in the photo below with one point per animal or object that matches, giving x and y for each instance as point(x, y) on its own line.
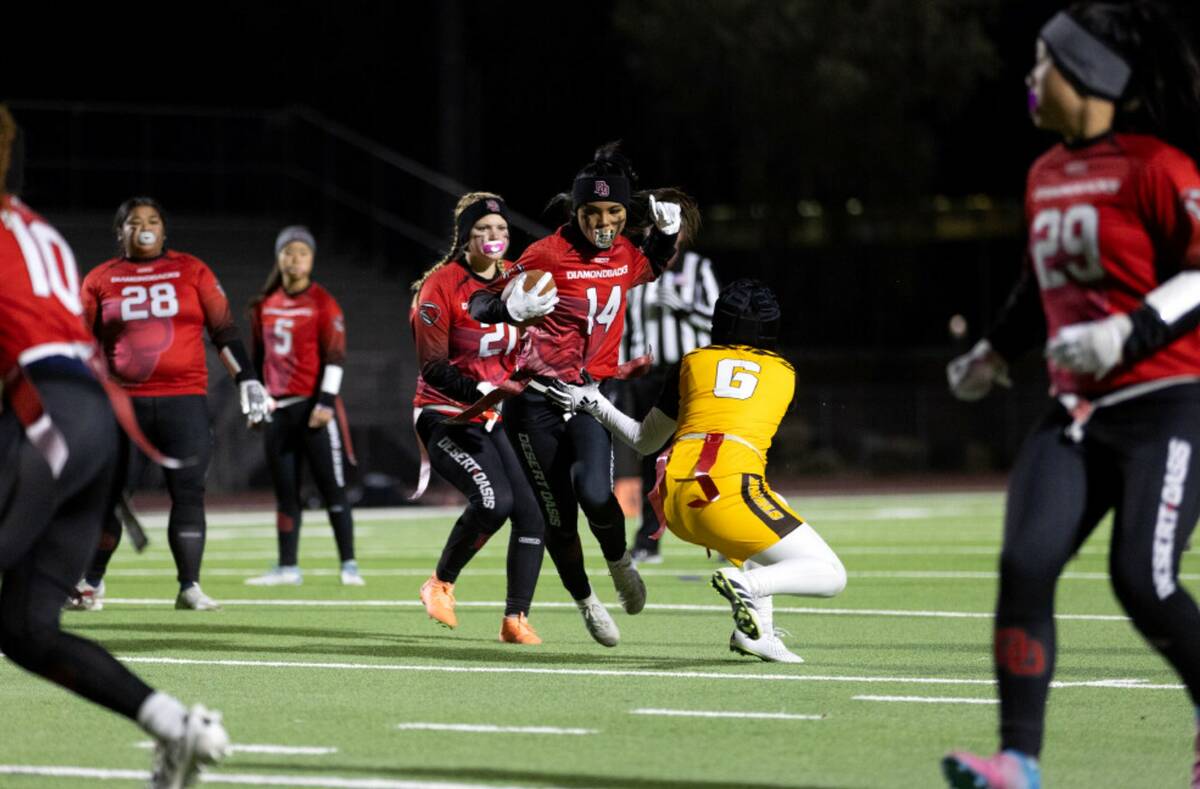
point(722, 410)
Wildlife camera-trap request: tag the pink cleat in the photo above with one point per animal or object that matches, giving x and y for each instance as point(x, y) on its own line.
point(1005, 770)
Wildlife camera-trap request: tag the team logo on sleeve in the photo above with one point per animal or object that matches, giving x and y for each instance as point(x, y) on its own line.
point(429, 312)
point(1191, 201)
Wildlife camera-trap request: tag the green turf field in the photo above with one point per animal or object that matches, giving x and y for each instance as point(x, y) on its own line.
point(351, 685)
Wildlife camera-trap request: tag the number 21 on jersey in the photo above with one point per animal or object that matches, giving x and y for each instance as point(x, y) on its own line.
point(736, 378)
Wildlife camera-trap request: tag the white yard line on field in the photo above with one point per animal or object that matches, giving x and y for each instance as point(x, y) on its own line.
point(283, 750)
point(927, 699)
point(785, 716)
point(306, 603)
point(243, 779)
point(488, 728)
point(1117, 684)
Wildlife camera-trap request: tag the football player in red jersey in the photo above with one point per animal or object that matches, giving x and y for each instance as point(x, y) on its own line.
point(299, 349)
point(149, 308)
point(1112, 278)
point(461, 358)
point(58, 450)
point(569, 463)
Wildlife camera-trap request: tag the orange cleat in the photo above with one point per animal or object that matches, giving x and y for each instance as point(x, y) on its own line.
point(438, 597)
point(517, 630)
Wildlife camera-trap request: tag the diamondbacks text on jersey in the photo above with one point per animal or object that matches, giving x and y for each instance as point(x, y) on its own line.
point(295, 335)
point(150, 317)
point(584, 331)
point(1108, 223)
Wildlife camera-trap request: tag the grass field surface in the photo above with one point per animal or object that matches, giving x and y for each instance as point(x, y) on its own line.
point(328, 686)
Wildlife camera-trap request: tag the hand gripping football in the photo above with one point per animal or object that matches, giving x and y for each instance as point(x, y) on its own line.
point(530, 296)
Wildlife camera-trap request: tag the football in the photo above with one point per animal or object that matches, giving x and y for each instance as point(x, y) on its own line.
point(532, 277)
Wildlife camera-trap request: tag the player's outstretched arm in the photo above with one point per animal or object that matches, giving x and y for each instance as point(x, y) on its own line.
point(644, 437)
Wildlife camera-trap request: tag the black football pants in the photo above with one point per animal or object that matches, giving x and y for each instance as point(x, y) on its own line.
point(482, 466)
point(569, 466)
point(290, 443)
point(1141, 460)
point(179, 427)
point(48, 532)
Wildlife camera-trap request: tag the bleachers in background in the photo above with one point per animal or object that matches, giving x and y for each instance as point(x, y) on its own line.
point(380, 363)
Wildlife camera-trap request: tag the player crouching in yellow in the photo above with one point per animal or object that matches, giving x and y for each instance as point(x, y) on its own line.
point(723, 409)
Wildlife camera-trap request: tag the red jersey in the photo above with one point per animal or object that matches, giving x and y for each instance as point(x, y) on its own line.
point(444, 330)
point(1108, 223)
point(40, 307)
point(150, 316)
point(584, 331)
point(295, 336)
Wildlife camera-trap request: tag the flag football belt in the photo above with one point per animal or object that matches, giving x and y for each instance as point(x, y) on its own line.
point(700, 473)
point(1081, 409)
point(487, 418)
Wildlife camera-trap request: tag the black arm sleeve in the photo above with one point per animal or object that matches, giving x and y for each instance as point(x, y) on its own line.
point(659, 248)
point(1150, 332)
point(1021, 324)
point(487, 307)
point(668, 396)
point(450, 381)
point(238, 351)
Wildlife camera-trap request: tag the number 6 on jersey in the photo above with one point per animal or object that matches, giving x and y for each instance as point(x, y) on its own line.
point(736, 378)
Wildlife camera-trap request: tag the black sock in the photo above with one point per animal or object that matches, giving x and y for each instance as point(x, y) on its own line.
point(609, 528)
point(1024, 658)
point(186, 538)
point(109, 540)
point(287, 529)
point(567, 554)
point(343, 530)
point(466, 539)
point(525, 552)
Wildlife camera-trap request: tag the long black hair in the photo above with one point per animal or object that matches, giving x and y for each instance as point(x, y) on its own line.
point(1163, 95)
point(126, 208)
point(609, 160)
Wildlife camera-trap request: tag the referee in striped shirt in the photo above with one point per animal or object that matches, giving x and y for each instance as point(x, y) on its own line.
point(669, 317)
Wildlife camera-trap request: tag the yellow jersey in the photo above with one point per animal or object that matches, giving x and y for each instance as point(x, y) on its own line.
point(737, 390)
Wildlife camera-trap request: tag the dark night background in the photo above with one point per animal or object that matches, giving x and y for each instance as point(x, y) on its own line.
point(866, 157)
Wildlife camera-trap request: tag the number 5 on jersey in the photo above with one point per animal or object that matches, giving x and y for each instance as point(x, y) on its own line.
point(736, 378)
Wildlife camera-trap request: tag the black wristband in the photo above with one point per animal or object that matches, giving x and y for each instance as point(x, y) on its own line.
point(659, 248)
point(1150, 332)
point(238, 351)
point(487, 307)
point(327, 399)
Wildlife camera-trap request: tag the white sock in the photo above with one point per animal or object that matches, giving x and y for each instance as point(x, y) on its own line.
point(162, 716)
point(801, 564)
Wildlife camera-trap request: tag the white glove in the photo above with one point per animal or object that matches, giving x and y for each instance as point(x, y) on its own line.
point(526, 305)
point(972, 375)
point(573, 399)
point(256, 404)
point(484, 388)
point(1094, 347)
point(666, 216)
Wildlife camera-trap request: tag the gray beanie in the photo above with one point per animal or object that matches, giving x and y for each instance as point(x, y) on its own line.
point(295, 233)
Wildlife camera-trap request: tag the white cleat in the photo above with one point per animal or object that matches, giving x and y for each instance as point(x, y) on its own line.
point(86, 597)
point(194, 599)
point(350, 576)
point(177, 763)
point(769, 648)
point(278, 576)
point(599, 622)
point(631, 589)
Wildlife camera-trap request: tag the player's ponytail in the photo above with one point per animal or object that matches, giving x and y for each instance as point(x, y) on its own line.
point(460, 236)
point(1163, 95)
point(10, 153)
